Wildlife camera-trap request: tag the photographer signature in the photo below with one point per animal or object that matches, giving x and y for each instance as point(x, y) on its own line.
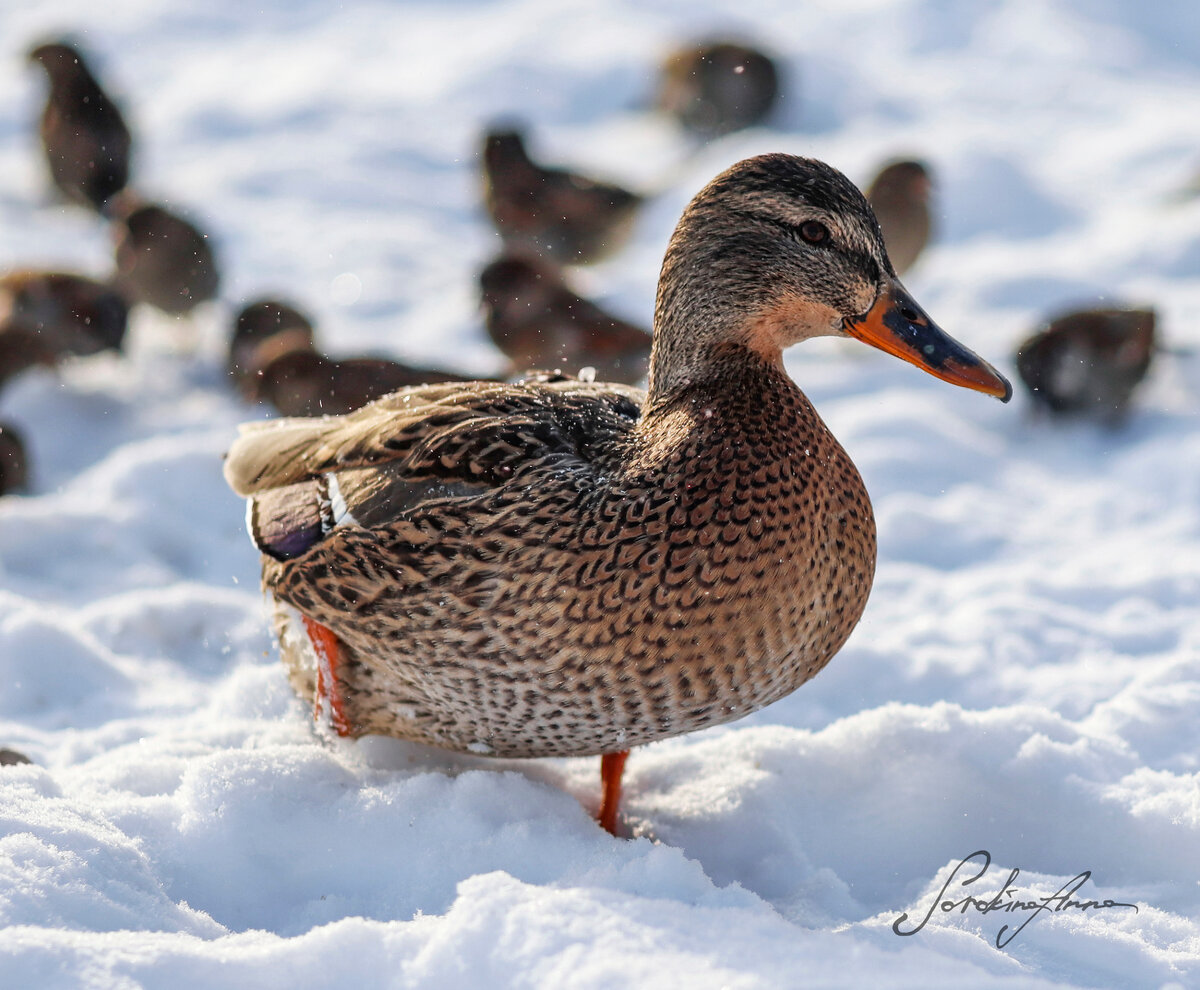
point(1006, 900)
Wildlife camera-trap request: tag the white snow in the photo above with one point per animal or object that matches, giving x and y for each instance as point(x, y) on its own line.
point(1026, 679)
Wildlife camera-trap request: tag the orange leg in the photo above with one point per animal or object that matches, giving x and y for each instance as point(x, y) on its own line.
point(612, 765)
point(325, 646)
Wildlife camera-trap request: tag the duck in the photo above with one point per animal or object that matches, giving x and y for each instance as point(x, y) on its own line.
point(83, 133)
point(718, 86)
point(256, 324)
point(577, 568)
point(298, 380)
point(14, 465)
point(1088, 362)
point(162, 259)
point(561, 214)
point(899, 194)
point(537, 320)
point(70, 313)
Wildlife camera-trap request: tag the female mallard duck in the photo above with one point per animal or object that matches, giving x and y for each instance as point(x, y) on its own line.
point(572, 568)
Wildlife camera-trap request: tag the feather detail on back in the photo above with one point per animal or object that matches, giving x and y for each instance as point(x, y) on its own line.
point(306, 477)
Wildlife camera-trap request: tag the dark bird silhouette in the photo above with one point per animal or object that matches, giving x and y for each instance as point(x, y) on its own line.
point(900, 195)
point(551, 211)
point(258, 323)
point(162, 259)
point(68, 313)
point(83, 134)
point(718, 87)
point(299, 381)
point(1089, 362)
point(14, 468)
point(538, 322)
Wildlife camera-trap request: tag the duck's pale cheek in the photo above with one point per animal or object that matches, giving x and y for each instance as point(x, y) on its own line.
point(788, 321)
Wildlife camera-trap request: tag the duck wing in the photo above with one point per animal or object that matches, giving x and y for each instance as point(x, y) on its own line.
point(420, 448)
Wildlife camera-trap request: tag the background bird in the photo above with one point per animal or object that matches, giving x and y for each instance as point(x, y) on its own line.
point(717, 87)
point(161, 258)
point(255, 325)
point(1088, 363)
point(14, 467)
point(900, 196)
point(70, 313)
point(539, 322)
point(84, 136)
point(552, 211)
point(300, 381)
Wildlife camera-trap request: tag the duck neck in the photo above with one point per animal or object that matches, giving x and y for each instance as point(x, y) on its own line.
point(698, 313)
point(730, 392)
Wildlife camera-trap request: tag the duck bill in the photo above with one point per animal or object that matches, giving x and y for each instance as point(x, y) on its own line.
point(897, 325)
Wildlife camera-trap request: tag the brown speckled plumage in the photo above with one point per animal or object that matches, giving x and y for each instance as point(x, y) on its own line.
point(565, 568)
point(626, 618)
point(552, 211)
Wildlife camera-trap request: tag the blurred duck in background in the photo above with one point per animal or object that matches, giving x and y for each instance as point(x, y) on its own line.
point(67, 313)
point(162, 259)
point(717, 87)
point(551, 211)
point(263, 330)
point(14, 467)
point(1088, 363)
point(299, 381)
point(538, 322)
point(83, 134)
point(900, 196)
point(273, 358)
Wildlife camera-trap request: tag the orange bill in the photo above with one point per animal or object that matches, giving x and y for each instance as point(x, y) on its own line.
point(897, 325)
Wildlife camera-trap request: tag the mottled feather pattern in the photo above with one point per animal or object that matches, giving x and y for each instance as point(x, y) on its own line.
point(564, 568)
point(612, 609)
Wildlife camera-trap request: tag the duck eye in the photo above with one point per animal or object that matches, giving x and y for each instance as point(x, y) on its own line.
point(814, 232)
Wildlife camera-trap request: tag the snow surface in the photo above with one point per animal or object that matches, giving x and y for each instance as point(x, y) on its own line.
point(1026, 679)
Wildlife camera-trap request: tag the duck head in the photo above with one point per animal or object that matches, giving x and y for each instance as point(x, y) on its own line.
point(779, 249)
point(504, 149)
point(62, 62)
